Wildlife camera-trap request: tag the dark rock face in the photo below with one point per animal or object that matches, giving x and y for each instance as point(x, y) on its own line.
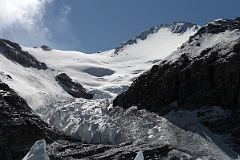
point(15, 53)
point(176, 27)
point(73, 88)
point(19, 126)
point(209, 79)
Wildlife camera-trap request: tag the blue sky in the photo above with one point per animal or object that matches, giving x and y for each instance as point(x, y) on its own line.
point(96, 25)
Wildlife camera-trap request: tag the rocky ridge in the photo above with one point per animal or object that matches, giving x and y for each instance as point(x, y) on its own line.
point(14, 52)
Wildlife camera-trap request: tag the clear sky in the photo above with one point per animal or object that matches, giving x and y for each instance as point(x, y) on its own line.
point(96, 25)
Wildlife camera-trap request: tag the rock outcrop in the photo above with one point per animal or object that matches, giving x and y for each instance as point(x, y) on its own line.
point(46, 48)
point(14, 52)
point(73, 88)
point(205, 71)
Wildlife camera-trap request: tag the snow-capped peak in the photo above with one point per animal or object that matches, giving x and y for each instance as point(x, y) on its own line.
point(179, 27)
point(219, 33)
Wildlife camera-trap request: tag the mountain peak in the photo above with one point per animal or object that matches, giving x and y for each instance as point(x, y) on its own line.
point(178, 27)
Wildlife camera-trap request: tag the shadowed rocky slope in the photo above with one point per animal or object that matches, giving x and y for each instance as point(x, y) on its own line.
point(19, 126)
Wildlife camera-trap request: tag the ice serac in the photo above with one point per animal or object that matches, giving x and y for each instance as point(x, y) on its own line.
point(202, 73)
point(139, 156)
point(38, 151)
point(84, 119)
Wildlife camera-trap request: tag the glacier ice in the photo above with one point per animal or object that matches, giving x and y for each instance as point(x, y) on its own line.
point(238, 158)
point(139, 156)
point(38, 151)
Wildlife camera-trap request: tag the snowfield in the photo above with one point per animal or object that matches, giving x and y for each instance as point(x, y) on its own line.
point(107, 74)
point(37, 87)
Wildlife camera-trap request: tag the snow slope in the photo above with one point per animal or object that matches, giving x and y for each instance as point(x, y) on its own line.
point(108, 74)
point(37, 87)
